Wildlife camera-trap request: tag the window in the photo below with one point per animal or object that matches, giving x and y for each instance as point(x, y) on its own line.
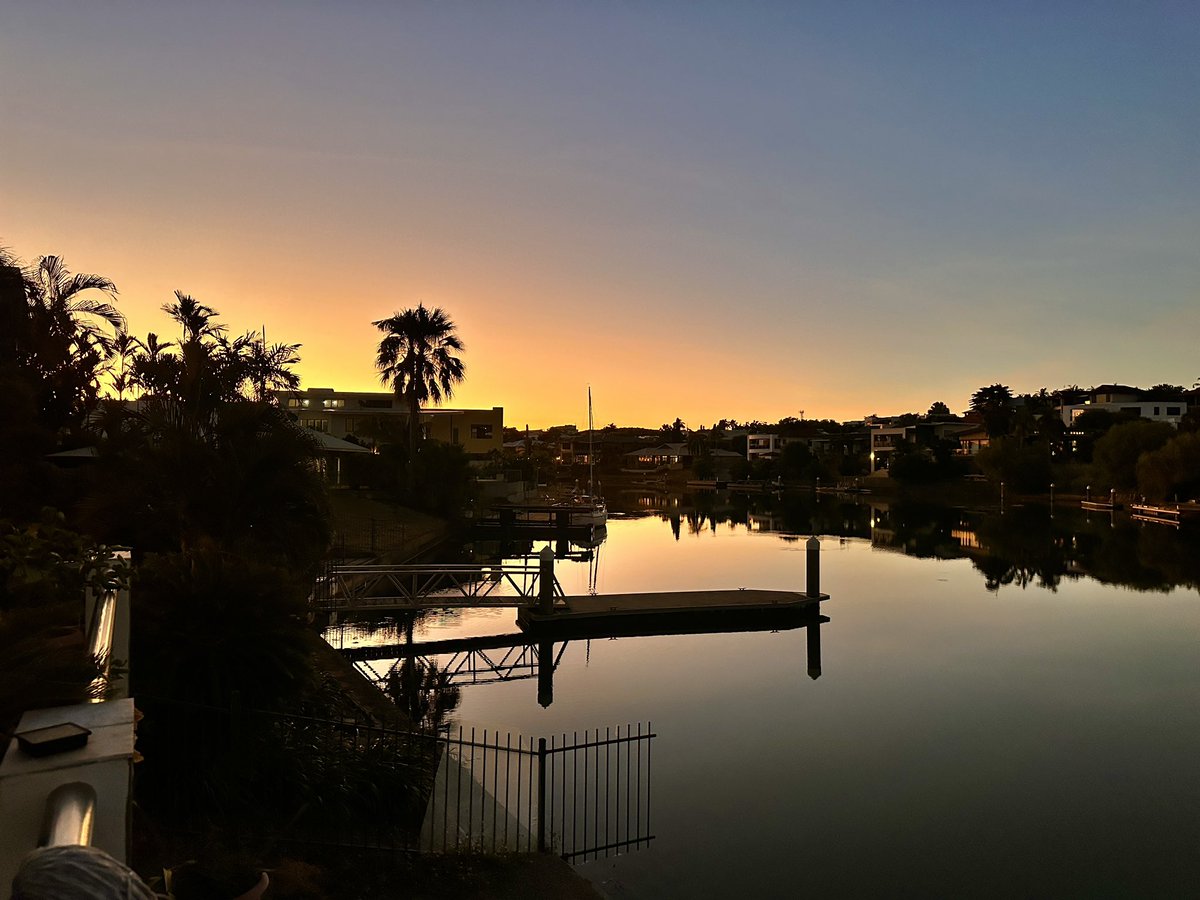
point(375, 402)
point(315, 424)
point(481, 432)
point(1173, 410)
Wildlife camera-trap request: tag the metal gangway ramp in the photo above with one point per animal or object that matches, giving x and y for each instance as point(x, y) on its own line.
point(352, 587)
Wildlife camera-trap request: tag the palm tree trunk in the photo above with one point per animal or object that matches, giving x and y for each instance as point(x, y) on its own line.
point(414, 433)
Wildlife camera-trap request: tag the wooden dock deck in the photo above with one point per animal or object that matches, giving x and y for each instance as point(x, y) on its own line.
point(1165, 515)
point(673, 606)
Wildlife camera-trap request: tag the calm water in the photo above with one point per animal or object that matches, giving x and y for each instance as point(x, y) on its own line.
point(991, 718)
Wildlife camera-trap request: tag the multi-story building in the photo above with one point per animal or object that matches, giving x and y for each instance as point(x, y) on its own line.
point(1121, 399)
point(764, 446)
point(366, 415)
point(883, 445)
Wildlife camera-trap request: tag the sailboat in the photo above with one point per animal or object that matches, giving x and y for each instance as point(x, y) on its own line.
point(590, 509)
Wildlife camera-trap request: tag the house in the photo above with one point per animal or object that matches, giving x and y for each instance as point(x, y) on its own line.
point(967, 438)
point(884, 440)
point(651, 459)
point(1122, 399)
point(364, 414)
point(764, 446)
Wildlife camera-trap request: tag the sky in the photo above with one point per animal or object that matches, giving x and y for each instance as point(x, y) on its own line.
point(703, 210)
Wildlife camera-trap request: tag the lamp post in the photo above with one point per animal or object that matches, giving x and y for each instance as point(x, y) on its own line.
point(1052, 499)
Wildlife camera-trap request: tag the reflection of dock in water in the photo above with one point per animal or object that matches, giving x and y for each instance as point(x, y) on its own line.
point(525, 655)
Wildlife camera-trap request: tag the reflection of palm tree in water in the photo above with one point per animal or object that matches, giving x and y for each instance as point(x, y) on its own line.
point(423, 691)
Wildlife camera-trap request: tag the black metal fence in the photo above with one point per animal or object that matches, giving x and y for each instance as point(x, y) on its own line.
point(367, 537)
point(352, 783)
point(581, 797)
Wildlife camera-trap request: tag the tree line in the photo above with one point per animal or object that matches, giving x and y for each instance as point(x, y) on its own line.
point(172, 444)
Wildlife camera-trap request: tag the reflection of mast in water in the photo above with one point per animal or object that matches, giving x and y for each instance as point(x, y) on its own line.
point(594, 570)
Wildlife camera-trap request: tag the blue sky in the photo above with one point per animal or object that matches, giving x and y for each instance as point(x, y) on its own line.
point(701, 209)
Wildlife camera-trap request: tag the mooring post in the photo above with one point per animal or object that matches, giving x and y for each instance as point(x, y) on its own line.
point(813, 567)
point(546, 581)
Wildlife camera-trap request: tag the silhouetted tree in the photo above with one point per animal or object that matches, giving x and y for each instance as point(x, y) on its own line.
point(1116, 454)
point(938, 409)
point(1173, 470)
point(995, 404)
point(73, 297)
point(674, 431)
point(1167, 391)
point(416, 358)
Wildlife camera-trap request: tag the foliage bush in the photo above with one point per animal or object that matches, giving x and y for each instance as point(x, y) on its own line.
point(1022, 468)
point(1173, 471)
point(1116, 454)
point(45, 570)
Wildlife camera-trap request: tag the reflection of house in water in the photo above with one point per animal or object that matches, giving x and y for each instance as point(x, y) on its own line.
point(966, 537)
point(765, 522)
point(882, 533)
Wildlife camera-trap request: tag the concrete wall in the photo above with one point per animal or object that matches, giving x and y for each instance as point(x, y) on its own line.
point(106, 763)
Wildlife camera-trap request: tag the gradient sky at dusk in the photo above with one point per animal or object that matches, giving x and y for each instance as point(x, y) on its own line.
point(701, 209)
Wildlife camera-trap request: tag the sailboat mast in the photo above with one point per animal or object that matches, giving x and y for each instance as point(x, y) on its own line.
point(591, 451)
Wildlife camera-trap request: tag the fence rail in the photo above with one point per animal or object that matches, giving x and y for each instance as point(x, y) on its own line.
point(579, 797)
point(370, 537)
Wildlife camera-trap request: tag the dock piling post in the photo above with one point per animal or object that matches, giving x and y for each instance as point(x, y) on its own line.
point(546, 581)
point(813, 568)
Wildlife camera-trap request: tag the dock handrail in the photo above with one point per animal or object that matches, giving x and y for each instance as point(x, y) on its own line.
point(70, 816)
point(343, 586)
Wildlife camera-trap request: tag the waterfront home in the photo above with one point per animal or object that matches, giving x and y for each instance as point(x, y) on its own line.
point(1122, 399)
point(480, 432)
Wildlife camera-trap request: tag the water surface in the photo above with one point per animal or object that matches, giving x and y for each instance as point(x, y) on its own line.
point(991, 719)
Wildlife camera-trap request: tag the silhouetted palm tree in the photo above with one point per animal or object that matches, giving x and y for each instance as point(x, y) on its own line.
point(266, 367)
point(63, 294)
point(53, 341)
point(194, 318)
point(416, 359)
point(125, 348)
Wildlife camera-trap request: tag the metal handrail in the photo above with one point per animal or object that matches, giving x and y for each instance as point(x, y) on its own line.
point(70, 816)
point(100, 640)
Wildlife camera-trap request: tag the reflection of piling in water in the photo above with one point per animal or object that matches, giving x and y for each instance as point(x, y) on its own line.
point(545, 673)
point(814, 649)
